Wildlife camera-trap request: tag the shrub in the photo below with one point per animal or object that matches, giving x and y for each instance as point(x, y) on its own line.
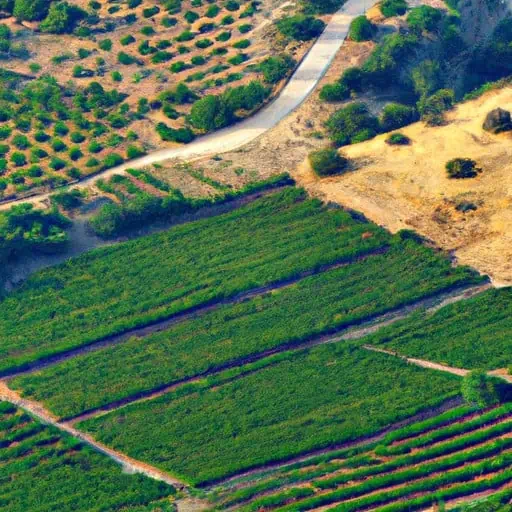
point(423, 18)
point(58, 145)
point(95, 147)
point(198, 60)
point(68, 199)
point(60, 128)
point(181, 135)
point(147, 31)
point(31, 10)
point(116, 76)
point(246, 27)
point(191, 16)
point(168, 22)
point(276, 68)
point(352, 124)
point(461, 168)
point(390, 8)
point(126, 40)
point(4, 149)
point(21, 141)
point(334, 92)
point(396, 115)
point(75, 153)
point(203, 43)
point(41, 136)
point(326, 162)
point(125, 59)
point(149, 12)
point(212, 11)
point(18, 159)
point(223, 36)
point(206, 27)
point(112, 160)
point(227, 20)
point(134, 152)
point(232, 5)
point(242, 44)
point(236, 60)
point(161, 56)
point(57, 164)
point(92, 162)
point(432, 109)
point(210, 113)
point(301, 27)
point(62, 18)
point(478, 390)
point(105, 45)
point(186, 35)
point(427, 77)
point(361, 29)
point(178, 66)
point(398, 139)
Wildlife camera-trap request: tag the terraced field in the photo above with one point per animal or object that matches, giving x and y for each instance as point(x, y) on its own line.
point(458, 453)
point(44, 470)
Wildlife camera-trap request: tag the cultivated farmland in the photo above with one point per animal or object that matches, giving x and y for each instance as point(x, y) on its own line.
point(131, 284)
point(315, 306)
point(457, 453)
point(311, 400)
point(44, 470)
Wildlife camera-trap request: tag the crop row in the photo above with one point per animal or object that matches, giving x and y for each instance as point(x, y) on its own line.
point(110, 290)
point(474, 333)
point(423, 455)
point(50, 471)
point(432, 483)
point(270, 415)
point(314, 306)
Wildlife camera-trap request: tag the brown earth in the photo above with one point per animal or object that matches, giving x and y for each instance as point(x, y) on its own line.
point(407, 187)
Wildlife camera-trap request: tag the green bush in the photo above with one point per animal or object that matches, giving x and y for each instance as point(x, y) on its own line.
point(301, 27)
point(244, 28)
point(361, 29)
point(461, 168)
point(396, 115)
point(31, 10)
point(105, 45)
point(62, 18)
point(398, 139)
point(390, 8)
point(210, 113)
point(424, 18)
point(334, 92)
point(125, 59)
point(478, 390)
point(18, 159)
point(116, 76)
point(352, 124)
point(432, 108)
point(126, 40)
point(276, 68)
point(327, 162)
point(181, 135)
point(21, 141)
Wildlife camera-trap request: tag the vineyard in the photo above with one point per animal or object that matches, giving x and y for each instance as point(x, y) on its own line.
point(44, 470)
point(457, 453)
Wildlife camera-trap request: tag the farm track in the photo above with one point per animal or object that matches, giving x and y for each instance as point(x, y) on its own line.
point(303, 81)
point(461, 372)
point(367, 326)
point(128, 464)
point(193, 312)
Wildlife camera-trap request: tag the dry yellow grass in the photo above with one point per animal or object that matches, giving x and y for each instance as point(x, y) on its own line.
point(407, 186)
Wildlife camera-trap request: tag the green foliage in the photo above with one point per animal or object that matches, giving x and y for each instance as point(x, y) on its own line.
point(352, 124)
point(276, 68)
point(424, 18)
point(309, 309)
point(461, 168)
point(432, 108)
point(361, 29)
point(181, 135)
point(427, 78)
point(301, 27)
point(398, 139)
point(478, 390)
point(68, 200)
point(334, 92)
point(326, 162)
point(270, 415)
point(390, 8)
point(31, 10)
point(43, 468)
point(472, 334)
point(62, 18)
point(396, 115)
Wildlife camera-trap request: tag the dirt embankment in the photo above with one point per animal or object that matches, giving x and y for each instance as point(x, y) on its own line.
point(407, 187)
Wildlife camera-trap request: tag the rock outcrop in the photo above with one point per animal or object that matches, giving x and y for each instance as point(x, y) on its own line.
point(497, 121)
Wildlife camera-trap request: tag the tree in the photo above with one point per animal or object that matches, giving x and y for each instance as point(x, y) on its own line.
point(276, 68)
point(62, 18)
point(7, 6)
point(210, 113)
point(424, 18)
point(478, 390)
point(31, 10)
point(361, 29)
point(326, 162)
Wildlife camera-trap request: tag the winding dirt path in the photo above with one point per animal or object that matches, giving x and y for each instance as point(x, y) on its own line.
point(423, 363)
point(301, 84)
point(128, 464)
